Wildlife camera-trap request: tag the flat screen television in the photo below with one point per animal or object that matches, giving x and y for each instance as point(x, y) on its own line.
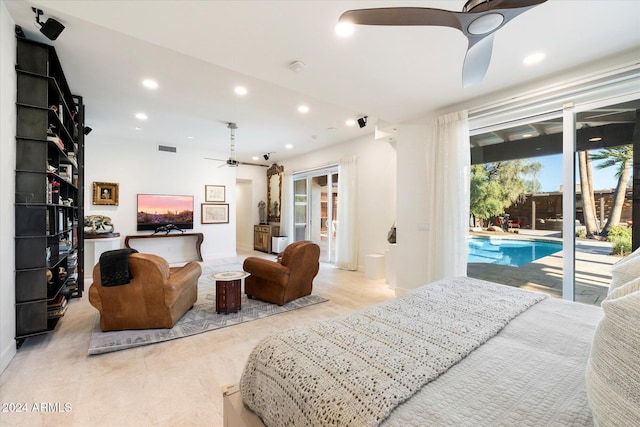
point(156, 210)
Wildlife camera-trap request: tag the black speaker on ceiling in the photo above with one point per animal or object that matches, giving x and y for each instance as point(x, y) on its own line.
point(362, 121)
point(51, 29)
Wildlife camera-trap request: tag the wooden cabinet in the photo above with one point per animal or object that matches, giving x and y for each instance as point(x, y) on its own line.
point(262, 235)
point(48, 191)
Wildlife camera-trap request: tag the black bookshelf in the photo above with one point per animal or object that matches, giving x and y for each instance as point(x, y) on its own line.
point(49, 239)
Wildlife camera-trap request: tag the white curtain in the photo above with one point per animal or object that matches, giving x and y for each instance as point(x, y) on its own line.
point(448, 169)
point(347, 226)
point(286, 210)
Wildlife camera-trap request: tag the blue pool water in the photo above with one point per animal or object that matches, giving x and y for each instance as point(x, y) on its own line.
point(509, 251)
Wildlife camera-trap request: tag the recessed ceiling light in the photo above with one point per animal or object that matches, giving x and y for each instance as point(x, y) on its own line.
point(344, 29)
point(350, 122)
point(137, 128)
point(595, 139)
point(288, 146)
point(303, 109)
point(141, 116)
point(527, 135)
point(240, 90)
point(255, 158)
point(189, 137)
point(534, 58)
point(150, 84)
point(297, 66)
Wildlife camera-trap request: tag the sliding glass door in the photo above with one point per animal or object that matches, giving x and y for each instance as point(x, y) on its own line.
point(605, 205)
point(516, 205)
point(315, 209)
point(553, 201)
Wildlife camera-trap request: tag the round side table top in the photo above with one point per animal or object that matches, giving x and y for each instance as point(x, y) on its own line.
point(229, 275)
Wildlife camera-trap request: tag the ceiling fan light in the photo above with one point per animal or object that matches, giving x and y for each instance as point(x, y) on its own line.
point(344, 29)
point(485, 23)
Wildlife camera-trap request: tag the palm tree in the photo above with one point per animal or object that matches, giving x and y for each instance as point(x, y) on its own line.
point(620, 157)
point(586, 189)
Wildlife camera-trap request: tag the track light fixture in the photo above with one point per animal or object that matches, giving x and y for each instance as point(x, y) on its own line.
point(51, 28)
point(362, 121)
point(87, 130)
point(266, 156)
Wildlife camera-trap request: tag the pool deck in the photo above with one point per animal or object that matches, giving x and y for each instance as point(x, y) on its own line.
point(592, 266)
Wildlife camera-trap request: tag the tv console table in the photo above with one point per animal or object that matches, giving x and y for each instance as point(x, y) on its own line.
point(198, 241)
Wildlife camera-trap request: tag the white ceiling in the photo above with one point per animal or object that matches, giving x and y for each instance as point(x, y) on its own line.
point(199, 51)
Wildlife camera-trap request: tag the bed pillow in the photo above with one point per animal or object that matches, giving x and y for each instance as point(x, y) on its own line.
point(625, 270)
point(613, 369)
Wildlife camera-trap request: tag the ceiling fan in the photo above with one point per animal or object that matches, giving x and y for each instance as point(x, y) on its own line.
point(478, 21)
point(232, 161)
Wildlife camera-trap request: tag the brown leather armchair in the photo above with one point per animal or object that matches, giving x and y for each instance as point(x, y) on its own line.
point(284, 281)
point(156, 297)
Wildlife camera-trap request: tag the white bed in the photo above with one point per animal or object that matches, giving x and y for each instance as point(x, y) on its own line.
point(531, 372)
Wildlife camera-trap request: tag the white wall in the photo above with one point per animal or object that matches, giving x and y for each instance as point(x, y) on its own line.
point(143, 169)
point(410, 253)
point(376, 187)
point(7, 186)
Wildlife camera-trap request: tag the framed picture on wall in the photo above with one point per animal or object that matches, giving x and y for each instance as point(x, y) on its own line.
point(214, 193)
point(215, 213)
point(105, 193)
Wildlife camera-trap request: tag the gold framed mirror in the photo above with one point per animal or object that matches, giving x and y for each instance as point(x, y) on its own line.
point(274, 192)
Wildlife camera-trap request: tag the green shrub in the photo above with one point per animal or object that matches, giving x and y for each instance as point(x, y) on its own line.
point(617, 231)
point(620, 236)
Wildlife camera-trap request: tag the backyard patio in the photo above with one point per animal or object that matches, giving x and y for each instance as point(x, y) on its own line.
point(592, 266)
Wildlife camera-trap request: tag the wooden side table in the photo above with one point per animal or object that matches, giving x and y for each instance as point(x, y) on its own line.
point(228, 291)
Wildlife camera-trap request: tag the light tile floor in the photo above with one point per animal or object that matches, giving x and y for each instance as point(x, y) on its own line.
point(177, 383)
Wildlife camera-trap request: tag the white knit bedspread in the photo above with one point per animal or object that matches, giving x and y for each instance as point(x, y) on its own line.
point(355, 369)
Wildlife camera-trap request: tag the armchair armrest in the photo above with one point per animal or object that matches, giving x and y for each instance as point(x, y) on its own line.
point(267, 270)
point(180, 278)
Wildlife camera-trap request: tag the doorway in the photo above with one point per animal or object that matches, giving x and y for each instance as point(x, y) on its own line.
point(315, 210)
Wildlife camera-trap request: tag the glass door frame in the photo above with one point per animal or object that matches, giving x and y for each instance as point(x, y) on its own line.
point(569, 113)
point(329, 172)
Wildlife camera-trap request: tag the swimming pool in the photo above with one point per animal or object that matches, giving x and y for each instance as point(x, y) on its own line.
point(510, 252)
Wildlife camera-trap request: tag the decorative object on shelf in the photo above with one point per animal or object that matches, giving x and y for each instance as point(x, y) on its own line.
point(214, 193)
point(274, 192)
point(98, 224)
point(105, 193)
point(166, 229)
point(391, 235)
point(262, 212)
point(215, 213)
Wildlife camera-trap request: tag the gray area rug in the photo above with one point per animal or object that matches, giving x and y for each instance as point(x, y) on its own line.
point(201, 318)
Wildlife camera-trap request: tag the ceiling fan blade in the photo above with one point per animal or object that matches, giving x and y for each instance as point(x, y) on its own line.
point(402, 16)
point(217, 160)
point(476, 61)
point(502, 4)
point(253, 164)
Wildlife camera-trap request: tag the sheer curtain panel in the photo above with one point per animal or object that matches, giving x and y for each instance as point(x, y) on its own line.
point(286, 210)
point(448, 169)
point(347, 227)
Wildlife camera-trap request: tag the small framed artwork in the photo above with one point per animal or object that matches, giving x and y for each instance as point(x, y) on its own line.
point(214, 193)
point(215, 213)
point(105, 193)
